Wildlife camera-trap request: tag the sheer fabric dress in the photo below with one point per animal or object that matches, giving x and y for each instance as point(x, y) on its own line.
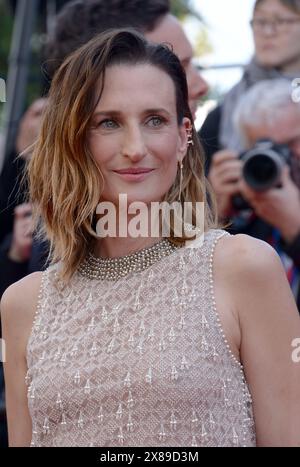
point(141, 361)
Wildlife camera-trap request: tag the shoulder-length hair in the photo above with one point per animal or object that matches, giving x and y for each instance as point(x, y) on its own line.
point(65, 183)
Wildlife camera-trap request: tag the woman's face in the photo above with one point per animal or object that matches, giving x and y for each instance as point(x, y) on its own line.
point(276, 31)
point(135, 138)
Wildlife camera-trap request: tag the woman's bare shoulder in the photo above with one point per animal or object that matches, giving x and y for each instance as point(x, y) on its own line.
point(246, 267)
point(253, 274)
point(247, 255)
point(23, 290)
point(18, 306)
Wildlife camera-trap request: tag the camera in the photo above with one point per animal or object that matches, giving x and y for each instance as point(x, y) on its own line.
point(263, 164)
point(262, 167)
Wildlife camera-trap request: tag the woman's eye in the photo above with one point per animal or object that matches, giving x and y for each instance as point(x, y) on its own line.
point(156, 121)
point(108, 124)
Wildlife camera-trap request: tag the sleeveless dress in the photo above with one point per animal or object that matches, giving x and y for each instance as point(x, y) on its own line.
point(141, 361)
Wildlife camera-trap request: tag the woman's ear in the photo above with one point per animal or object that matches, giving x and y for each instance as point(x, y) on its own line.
point(185, 131)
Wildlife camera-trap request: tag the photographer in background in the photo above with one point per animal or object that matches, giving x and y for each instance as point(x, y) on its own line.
point(17, 257)
point(266, 112)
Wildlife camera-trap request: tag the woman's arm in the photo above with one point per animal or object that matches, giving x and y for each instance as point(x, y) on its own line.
point(14, 271)
point(269, 323)
point(18, 305)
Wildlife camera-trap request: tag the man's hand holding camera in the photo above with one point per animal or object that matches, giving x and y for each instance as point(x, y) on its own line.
point(277, 206)
point(224, 176)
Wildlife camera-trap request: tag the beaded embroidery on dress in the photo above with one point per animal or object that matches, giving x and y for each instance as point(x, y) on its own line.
point(141, 361)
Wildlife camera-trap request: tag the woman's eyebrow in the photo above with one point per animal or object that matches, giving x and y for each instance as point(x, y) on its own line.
point(117, 113)
point(156, 111)
point(107, 112)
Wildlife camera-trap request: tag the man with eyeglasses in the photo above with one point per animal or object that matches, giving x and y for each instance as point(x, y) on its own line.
point(268, 112)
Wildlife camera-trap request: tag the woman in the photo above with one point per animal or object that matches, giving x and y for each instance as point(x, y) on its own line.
point(141, 341)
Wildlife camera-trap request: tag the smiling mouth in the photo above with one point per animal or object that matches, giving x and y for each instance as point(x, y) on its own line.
point(133, 171)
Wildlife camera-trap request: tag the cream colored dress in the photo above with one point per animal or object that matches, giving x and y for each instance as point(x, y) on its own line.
point(142, 361)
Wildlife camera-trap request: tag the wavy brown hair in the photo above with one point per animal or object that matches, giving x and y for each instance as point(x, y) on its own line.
point(65, 184)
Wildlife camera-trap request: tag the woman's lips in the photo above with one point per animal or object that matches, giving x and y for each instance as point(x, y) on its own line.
point(136, 175)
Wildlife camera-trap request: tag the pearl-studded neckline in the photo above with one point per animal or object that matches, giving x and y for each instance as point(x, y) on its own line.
point(113, 269)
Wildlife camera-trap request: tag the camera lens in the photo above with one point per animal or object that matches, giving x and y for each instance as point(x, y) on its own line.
point(261, 172)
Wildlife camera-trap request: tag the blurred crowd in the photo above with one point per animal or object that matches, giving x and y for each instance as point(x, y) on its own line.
point(251, 139)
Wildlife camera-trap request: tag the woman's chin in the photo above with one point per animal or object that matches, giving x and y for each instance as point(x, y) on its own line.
point(130, 197)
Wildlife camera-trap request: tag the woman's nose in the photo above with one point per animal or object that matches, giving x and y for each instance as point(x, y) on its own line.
point(134, 145)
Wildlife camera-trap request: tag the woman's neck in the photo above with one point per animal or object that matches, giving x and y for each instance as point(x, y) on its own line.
point(114, 247)
point(124, 243)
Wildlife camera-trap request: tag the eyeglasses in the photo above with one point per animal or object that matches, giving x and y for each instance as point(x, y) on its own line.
point(277, 24)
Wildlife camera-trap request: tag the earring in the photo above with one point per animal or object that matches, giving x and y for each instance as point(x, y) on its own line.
point(190, 136)
point(181, 177)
